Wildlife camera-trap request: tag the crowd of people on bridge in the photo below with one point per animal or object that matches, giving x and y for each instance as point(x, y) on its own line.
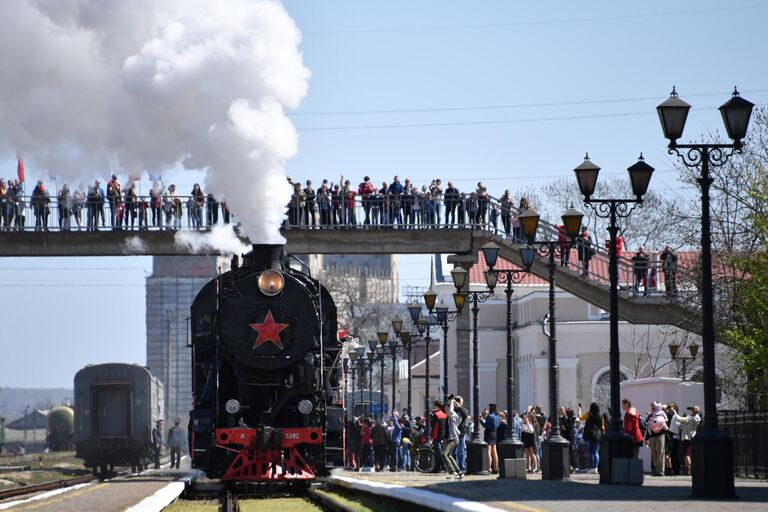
point(402, 204)
point(330, 205)
point(113, 206)
point(393, 443)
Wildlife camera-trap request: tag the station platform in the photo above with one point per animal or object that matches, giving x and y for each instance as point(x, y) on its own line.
point(149, 491)
point(582, 493)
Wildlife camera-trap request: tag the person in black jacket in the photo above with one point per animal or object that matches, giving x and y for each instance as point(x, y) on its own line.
point(568, 431)
point(593, 433)
point(451, 201)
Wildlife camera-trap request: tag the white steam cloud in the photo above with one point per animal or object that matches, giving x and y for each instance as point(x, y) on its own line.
point(91, 86)
point(221, 239)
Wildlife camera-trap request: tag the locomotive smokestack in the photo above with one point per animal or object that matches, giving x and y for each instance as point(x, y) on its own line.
point(265, 256)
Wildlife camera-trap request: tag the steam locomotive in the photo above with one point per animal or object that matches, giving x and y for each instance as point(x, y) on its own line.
point(265, 373)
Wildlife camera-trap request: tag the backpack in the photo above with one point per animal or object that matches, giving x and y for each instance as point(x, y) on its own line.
point(642, 424)
point(465, 427)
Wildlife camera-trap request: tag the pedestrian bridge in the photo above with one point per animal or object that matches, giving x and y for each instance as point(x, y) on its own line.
point(637, 304)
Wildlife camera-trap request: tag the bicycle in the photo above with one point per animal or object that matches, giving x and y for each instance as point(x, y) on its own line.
point(424, 460)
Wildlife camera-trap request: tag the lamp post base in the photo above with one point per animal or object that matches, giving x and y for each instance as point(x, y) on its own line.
point(509, 448)
point(477, 458)
point(712, 464)
point(556, 463)
point(616, 445)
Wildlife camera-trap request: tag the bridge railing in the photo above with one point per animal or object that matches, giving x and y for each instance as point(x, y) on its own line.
point(407, 211)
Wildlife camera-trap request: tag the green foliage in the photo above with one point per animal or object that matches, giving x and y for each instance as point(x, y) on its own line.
point(749, 334)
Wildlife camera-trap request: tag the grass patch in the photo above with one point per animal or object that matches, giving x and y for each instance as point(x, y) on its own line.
point(193, 506)
point(363, 502)
point(246, 505)
point(50, 460)
point(277, 505)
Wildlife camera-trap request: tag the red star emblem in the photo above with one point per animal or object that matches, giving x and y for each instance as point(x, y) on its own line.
point(268, 331)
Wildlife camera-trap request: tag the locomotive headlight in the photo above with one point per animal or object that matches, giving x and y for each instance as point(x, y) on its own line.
point(271, 282)
point(305, 407)
point(232, 406)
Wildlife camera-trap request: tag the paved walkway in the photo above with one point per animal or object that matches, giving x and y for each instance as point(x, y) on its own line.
point(582, 493)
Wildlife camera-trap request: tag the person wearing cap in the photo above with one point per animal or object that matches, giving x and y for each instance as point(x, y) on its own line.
point(157, 442)
point(586, 251)
point(175, 443)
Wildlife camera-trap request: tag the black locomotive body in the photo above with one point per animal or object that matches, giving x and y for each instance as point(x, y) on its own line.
point(264, 351)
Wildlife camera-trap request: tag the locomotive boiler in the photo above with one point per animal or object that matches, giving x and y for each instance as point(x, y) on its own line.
point(265, 386)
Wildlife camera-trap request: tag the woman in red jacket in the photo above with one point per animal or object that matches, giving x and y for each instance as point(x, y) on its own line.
point(632, 426)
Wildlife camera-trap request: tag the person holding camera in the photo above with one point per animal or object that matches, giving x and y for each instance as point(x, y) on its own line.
point(452, 437)
point(689, 423)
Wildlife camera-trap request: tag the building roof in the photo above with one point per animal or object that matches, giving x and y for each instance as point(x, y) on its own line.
point(598, 267)
point(419, 357)
point(34, 419)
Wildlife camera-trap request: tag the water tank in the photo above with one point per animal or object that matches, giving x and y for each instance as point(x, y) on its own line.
point(60, 424)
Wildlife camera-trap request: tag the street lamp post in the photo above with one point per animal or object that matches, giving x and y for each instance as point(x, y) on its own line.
point(617, 443)
point(424, 326)
point(361, 374)
point(443, 317)
point(405, 339)
point(674, 349)
point(712, 457)
point(555, 449)
point(344, 369)
point(393, 354)
point(353, 367)
point(381, 354)
point(478, 463)
point(510, 447)
point(371, 362)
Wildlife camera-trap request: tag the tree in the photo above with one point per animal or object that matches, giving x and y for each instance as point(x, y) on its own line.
point(749, 330)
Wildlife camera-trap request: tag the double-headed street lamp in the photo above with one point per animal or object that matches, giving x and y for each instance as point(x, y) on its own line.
point(555, 450)
point(617, 443)
point(425, 326)
point(444, 315)
point(405, 339)
point(674, 349)
point(381, 354)
point(712, 458)
point(371, 361)
point(478, 463)
point(353, 366)
point(510, 447)
point(362, 368)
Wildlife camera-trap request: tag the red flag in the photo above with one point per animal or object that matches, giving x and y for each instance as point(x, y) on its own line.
point(20, 170)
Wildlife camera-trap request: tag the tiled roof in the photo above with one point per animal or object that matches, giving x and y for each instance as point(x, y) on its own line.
point(598, 267)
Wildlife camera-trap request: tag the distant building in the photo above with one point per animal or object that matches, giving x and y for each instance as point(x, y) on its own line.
point(171, 288)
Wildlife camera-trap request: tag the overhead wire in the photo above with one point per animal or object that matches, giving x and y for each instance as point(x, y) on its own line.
point(506, 107)
point(427, 28)
point(484, 122)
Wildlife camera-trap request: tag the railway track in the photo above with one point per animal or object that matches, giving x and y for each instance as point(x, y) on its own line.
point(48, 486)
point(229, 501)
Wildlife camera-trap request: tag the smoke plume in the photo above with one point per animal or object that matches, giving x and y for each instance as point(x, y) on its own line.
point(90, 87)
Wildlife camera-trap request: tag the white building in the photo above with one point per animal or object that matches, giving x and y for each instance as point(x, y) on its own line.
point(582, 348)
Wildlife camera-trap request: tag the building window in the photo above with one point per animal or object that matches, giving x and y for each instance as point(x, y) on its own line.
point(601, 388)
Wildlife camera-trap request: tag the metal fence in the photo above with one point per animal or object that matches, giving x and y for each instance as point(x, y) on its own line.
point(749, 431)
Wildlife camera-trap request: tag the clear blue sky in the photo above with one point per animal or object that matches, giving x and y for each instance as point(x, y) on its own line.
point(441, 61)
